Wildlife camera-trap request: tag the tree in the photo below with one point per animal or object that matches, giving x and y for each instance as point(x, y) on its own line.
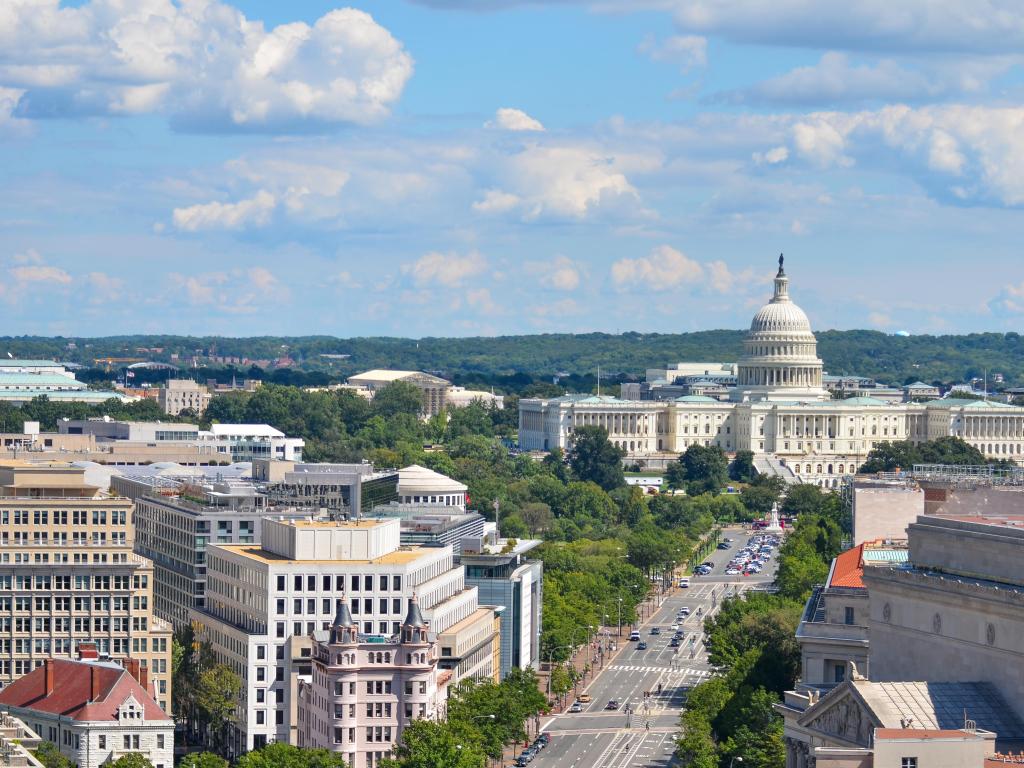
point(431, 744)
point(202, 760)
point(537, 516)
point(50, 756)
point(131, 760)
point(398, 397)
point(706, 469)
point(282, 755)
point(742, 467)
point(216, 697)
point(595, 459)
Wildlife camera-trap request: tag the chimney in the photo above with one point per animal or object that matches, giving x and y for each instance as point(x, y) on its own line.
point(48, 674)
point(94, 683)
point(132, 667)
point(144, 679)
point(87, 651)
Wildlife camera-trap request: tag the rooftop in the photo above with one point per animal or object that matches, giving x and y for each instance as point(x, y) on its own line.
point(919, 734)
point(16, 363)
point(941, 706)
point(401, 556)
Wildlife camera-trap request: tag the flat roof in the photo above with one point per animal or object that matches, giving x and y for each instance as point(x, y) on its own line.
point(400, 556)
point(343, 524)
point(917, 734)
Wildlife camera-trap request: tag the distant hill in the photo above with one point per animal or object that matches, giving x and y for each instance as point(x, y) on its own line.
point(890, 359)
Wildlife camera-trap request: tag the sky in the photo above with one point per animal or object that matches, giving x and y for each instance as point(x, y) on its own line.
point(485, 167)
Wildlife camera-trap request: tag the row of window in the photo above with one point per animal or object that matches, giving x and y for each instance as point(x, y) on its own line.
point(356, 583)
point(60, 516)
point(104, 604)
point(327, 606)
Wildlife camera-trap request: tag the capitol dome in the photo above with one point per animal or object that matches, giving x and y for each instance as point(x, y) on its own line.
point(780, 360)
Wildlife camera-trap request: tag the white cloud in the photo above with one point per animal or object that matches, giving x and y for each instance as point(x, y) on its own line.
point(1009, 301)
point(496, 201)
point(509, 119)
point(972, 154)
point(202, 63)
point(254, 211)
point(874, 25)
point(773, 156)
point(237, 291)
point(9, 98)
point(560, 273)
point(688, 51)
point(835, 80)
point(40, 274)
point(661, 270)
point(564, 181)
point(722, 279)
point(798, 227)
point(445, 269)
point(103, 287)
point(481, 300)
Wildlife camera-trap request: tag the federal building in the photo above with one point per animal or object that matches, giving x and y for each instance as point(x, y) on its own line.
point(776, 405)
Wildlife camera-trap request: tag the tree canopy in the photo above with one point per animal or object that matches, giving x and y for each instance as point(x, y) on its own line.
point(594, 459)
point(903, 454)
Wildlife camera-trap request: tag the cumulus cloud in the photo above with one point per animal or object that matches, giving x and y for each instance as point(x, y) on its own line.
point(560, 273)
point(961, 153)
point(686, 51)
point(236, 291)
point(873, 25)
point(103, 287)
point(1009, 301)
point(834, 80)
point(40, 274)
point(254, 211)
point(663, 269)
point(509, 119)
point(203, 64)
point(563, 181)
point(449, 270)
point(481, 300)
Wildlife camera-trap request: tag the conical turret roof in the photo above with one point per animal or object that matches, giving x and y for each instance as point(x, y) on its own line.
point(414, 618)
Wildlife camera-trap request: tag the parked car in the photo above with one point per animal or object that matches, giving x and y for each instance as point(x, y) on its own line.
point(544, 737)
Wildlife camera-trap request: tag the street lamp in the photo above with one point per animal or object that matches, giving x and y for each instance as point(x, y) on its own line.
point(735, 758)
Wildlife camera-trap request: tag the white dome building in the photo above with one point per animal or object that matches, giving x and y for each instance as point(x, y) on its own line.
point(780, 360)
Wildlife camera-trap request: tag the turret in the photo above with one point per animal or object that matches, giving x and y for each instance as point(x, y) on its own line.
point(414, 628)
point(344, 628)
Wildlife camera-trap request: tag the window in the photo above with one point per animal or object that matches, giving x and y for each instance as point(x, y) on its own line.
point(849, 615)
point(159, 741)
point(102, 742)
point(280, 583)
point(839, 673)
point(908, 762)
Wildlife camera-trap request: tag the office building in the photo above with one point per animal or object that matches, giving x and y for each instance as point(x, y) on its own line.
point(260, 598)
point(177, 517)
point(23, 380)
point(337, 489)
point(94, 711)
point(179, 395)
point(506, 576)
point(69, 576)
point(365, 690)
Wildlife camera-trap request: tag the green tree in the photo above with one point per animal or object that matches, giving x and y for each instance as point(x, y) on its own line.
point(131, 760)
point(705, 468)
point(216, 698)
point(50, 756)
point(202, 760)
point(742, 467)
point(537, 516)
point(431, 744)
point(593, 458)
point(282, 755)
point(398, 397)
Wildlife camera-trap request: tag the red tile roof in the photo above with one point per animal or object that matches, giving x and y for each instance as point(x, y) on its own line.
point(72, 694)
point(886, 734)
point(848, 570)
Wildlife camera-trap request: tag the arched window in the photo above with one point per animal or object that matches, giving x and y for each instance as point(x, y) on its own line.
point(819, 469)
point(830, 469)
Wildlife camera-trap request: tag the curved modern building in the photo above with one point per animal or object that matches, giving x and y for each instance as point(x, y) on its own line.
point(778, 409)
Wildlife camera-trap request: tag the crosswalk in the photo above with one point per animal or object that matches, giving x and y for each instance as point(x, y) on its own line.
point(693, 673)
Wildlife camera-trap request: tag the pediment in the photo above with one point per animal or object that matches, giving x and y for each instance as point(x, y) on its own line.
point(841, 716)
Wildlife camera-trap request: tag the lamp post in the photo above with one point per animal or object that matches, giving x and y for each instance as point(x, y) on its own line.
point(735, 758)
point(551, 654)
point(619, 633)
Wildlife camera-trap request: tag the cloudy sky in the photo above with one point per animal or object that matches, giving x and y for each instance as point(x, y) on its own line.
point(462, 167)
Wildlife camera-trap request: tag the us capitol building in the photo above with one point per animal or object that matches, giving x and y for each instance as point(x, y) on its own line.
point(778, 409)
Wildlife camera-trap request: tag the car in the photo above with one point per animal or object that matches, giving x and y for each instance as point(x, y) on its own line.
point(684, 583)
point(655, 630)
point(732, 572)
point(612, 704)
point(641, 646)
point(538, 744)
point(576, 707)
point(684, 611)
point(584, 698)
point(727, 540)
point(522, 761)
point(673, 643)
point(634, 635)
point(675, 626)
point(723, 545)
point(544, 737)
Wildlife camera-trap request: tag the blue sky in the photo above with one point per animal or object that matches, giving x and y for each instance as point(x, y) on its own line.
point(462, 167)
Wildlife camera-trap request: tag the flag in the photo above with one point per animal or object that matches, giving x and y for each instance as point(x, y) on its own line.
point(130, 374)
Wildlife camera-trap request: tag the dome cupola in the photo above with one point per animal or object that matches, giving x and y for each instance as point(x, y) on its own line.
point(780, 360)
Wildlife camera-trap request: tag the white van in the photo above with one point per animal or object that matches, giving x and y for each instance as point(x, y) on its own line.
point(684, 583)
point(634, 635)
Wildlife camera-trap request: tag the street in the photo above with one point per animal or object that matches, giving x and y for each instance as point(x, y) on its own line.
point(642, 731)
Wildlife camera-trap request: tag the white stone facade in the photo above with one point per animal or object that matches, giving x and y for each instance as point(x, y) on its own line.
point(778, 408)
